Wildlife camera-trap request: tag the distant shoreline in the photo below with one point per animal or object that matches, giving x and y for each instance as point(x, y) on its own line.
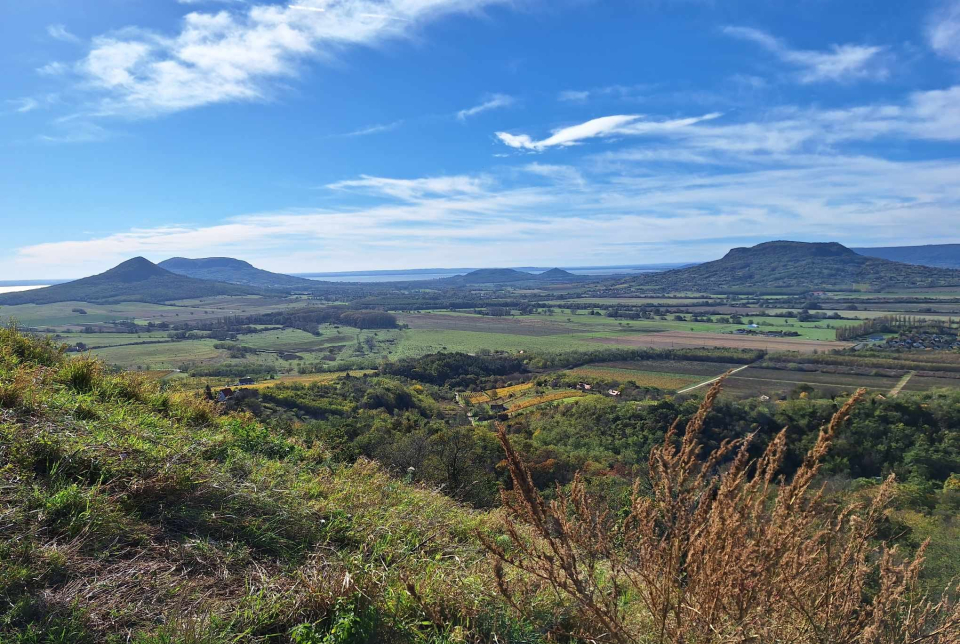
point(15, 288)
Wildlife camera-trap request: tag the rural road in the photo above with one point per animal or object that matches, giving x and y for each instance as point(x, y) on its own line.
point(900, 385)
point(710, 382)
point(473, 421)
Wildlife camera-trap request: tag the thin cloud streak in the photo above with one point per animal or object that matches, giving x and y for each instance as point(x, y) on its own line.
point(841, 63)
point(493, 102)
point(603, 127)
point(374, 129)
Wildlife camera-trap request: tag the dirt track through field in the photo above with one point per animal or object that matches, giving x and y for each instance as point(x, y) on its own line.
point(711, 381)
point(903, 382)
point(686, 339)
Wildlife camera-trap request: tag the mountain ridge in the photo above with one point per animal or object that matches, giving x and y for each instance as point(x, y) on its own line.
point(134, 280)
point(236, 271)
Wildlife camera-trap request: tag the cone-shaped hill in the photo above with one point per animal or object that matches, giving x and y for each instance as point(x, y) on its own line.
point(800, 266)
point(556, 275)
point(236, 271)
point(135, 280)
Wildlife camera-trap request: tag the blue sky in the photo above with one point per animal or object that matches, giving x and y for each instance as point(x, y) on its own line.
point(324, 135)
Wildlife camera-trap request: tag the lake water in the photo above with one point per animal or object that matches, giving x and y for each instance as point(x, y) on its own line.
point(13, 288)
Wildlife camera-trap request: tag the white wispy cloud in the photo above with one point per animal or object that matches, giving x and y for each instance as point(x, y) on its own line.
point(573, 95)
point(783, 175)
point(24, 105)
point(473, 220)
point(374, 129)
point(491, 102)
point(237, 53)
point(75, 131)
point(616, 91)
point(53, 69)
point(562, 174)
point(602, 127)
point(413, 189)
point(31, 103)
point(841, 63)
point(59, 32)
point(943, 29)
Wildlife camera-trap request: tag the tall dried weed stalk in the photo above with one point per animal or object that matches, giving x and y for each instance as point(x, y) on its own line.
point(720, 549)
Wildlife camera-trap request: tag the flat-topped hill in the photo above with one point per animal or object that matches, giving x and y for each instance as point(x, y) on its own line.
point(800, 266)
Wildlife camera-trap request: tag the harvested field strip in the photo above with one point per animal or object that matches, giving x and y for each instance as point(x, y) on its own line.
point(307, 379)
point(818, 378)
point(680, 367)
point(923, 383)
point(158, 374)
point(681, 339)
point(546, 398)
point(657, 379)
point(815, 384)
point(494, 394)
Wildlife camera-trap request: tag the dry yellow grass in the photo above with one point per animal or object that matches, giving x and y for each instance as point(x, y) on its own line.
point(539, 400)
point(158, 374)
point(494, 394)
point(307, 378)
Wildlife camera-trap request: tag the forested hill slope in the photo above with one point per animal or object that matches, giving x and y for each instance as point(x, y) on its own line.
point(235, 271)
point(799, 266)
point(135, 280)
point(936, 255)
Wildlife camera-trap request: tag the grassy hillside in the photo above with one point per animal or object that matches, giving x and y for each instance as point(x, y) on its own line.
point(235, 271)
point(135, 280)
point(133, 514)
point(799, 266)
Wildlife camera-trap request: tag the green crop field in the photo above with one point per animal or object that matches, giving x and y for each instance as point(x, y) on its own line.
point(169, 355)
point(417, 342)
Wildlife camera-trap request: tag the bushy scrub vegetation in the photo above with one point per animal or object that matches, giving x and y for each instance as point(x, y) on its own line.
point(454, 369)
point(701, 555)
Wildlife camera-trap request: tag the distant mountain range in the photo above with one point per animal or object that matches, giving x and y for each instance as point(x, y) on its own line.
point(799, 266)
point(936, 255)
point(135, 280)
point(236, 271)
